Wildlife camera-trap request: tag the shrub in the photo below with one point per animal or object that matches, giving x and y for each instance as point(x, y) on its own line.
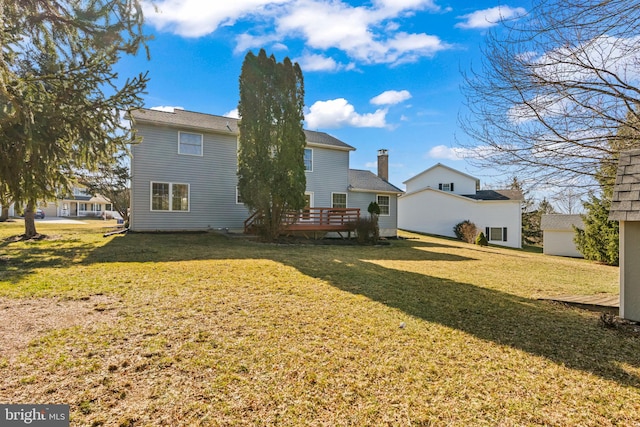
point(481, 240)
point(466, 231)
point(373, 209)
point(367, 231)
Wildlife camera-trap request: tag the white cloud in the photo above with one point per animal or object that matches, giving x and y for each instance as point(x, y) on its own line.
point(400, 5)
point(368, 34)
point(487, 18)
point(579, 67)
point(316, 62)
point(617, 55)
point(458, 153)
point(354, 30)
point(233, 114)
point(391, 97)
point(166, 108)
point(337, 113)
point(196, 18)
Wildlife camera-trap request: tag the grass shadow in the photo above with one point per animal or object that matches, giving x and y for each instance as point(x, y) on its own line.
point(559, 334)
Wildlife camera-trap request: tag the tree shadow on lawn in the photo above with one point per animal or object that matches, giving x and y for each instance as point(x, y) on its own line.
point(18, 259)
point(539, 328)
point(561, 335)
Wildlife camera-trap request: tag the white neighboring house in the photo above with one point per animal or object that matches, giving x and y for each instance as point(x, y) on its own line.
point(558, 234)
point(440, 197)
point(77, 204)
point(82, 204)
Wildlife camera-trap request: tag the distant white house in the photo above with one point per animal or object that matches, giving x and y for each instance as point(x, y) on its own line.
point(440, 197)
point(558, 234)
point(78, 203)
point(82, 204)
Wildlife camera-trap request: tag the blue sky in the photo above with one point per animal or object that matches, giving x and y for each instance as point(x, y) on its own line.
point(378, 74)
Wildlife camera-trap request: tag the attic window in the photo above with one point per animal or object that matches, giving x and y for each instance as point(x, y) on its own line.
point(448, 186)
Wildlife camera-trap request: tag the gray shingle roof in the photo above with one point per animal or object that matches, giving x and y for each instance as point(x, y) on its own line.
point(560, 222)
point(363, 180)
point(496, 195)
point(625, 205)
point(219, 124)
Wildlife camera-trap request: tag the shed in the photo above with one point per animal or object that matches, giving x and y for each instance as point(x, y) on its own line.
point(558, 234)
point(625, 207)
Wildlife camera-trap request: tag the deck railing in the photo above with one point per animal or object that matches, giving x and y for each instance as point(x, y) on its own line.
point(320, 219)
point(324, 217)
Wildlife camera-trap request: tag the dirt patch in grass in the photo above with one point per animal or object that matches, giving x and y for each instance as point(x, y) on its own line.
point(23, 320)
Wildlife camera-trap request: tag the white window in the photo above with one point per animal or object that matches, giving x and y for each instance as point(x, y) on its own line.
point(82, 207)
point(338, 200)
point(108, 207)
point(167, 196)
point(190, 143)
point(445, 186)
point(308, 159)
point(496, 234)
point(238, 198)
point(384, 202)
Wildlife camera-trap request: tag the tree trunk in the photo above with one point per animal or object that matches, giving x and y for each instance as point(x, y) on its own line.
point(4, 215)
point(30, 221)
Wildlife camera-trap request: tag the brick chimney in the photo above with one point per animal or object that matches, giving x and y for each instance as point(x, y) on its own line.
point(383, 164)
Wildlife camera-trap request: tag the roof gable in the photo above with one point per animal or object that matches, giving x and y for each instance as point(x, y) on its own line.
point(220, 124)
point(625, 205)
point(440, 165)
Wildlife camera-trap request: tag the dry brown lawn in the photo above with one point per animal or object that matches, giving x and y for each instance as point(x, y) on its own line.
point(199, 329)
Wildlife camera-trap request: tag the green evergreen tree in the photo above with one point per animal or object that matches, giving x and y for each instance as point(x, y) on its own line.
point(532, 221)
point(271, 174)
point(599, 240)
point(60, 100)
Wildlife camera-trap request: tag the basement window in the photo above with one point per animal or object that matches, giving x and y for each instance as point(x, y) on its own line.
point(496, 234)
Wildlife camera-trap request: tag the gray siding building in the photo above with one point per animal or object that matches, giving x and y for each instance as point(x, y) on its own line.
point(184, 175)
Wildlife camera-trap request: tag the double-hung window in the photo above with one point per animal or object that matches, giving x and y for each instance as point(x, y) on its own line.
point(308, 159)
point(190, 143)
point(338, 200)
point(168, 196)
point(384, 202)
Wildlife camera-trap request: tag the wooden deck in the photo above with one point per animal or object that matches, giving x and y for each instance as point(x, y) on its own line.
point(600, 302)
point(312, 221)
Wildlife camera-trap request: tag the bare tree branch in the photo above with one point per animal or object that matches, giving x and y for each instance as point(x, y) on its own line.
point(553, 89)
